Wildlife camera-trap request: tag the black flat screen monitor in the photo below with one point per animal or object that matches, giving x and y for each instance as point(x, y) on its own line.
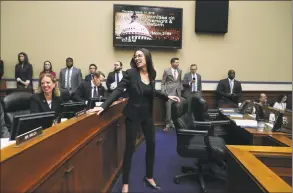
point(25, 123)
point(92, 102)
point(69, 109)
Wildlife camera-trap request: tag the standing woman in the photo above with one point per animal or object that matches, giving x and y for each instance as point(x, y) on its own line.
point(140, 84)
point(48, 69)
point(23, 71)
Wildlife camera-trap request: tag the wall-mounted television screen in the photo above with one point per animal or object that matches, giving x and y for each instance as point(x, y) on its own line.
point(147, 26)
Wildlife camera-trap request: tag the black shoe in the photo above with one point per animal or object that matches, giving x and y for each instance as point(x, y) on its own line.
point(147, 182)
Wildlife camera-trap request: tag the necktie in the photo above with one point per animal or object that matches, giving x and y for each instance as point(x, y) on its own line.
point(193, 84)
point(231, 86)
point(175, 75)
point(67, 79)
point(95, 95)
point(117, 77)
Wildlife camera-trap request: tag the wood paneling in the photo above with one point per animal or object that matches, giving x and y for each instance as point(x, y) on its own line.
point(247, 173)
point(79, 155)
point(210, 96)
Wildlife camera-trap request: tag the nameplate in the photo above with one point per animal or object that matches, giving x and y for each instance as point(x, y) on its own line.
point(79, 113)
point(28, 135)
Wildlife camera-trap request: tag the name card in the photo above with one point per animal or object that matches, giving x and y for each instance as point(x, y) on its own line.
point(79, 113)
point(28, 135)
point(98, 104)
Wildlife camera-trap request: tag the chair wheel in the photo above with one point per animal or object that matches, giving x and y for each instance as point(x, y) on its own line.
point(176, 181)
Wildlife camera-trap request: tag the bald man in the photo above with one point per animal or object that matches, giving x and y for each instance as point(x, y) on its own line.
point(229, 90)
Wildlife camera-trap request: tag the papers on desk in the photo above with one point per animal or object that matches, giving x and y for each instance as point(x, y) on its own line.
point(226, 110)
point(245, 123)
point(98, 104)
point(236, 115)
point(113, 85)
point(5, 142)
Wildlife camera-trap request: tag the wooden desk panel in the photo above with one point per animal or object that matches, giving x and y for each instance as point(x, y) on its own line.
point(257, 169)
point(82, 154)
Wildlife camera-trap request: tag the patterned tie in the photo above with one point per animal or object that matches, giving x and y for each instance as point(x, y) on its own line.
point(95, 92)
point(175, 78)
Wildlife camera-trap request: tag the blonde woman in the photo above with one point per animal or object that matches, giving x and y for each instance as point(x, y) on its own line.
point(47, 97)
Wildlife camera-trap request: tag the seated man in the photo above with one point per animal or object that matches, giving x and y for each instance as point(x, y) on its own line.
point(229, 90)
point(92, 89)
point(4, 133)
point(262, 101)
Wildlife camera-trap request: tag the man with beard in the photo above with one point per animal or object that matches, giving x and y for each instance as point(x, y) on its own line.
point(70, 77)
point(115, 77)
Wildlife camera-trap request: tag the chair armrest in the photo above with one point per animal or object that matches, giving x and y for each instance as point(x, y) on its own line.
point(210, 123)
point(213, 111)
point(191, 132)
point(202, 123)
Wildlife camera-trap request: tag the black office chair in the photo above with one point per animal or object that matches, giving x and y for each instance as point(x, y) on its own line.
point(65, 95)
point(16, 103)
point(195, 140)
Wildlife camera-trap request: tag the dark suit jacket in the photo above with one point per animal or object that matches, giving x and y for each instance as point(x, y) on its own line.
point(4, 133)
point(88, 77)
point(38, 104)
point(130, 81)
point(187, 88)
point(1, 69)
point(84, 92)
point(223, 90)
point(111, 79)
point(25, 73)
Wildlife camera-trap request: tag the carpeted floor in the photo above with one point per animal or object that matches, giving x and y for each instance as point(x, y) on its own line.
point(167, 164)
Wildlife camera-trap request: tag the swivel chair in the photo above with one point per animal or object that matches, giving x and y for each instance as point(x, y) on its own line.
point(195, 140)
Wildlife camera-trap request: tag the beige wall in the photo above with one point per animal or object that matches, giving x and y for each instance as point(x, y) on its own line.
point(258, 44)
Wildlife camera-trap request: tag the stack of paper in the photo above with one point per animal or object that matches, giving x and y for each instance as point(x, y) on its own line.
point(245, 123)
point(5, 142)
point(227, 110)
point(234, 115)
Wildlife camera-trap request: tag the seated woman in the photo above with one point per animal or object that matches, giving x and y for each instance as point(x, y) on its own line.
point(281, 103)
point(47, 97)
point(48, 69)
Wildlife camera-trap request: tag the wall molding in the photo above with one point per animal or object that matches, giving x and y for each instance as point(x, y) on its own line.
point(207, 85)
point(203, 81)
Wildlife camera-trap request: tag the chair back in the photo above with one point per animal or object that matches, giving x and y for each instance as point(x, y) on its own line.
point(180, 115)
point(16, 103)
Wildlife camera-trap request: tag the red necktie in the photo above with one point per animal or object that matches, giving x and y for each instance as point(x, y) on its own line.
point(175, 75)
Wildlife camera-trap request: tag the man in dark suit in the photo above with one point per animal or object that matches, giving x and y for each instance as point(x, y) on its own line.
point(92, 89)
point(192, 85)
point(4, 133)
point(1, 69)
point(229, 90)
point(70, 77)
point(115, 77)
point(92, 69)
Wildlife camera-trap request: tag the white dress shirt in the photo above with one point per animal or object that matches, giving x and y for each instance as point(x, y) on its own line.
point(49, 103)
point(193, 85)
point(68, 71)
point(93, 89)
point(174, 70)
point(120, 76)
point(280, 106)
point(231, 83)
